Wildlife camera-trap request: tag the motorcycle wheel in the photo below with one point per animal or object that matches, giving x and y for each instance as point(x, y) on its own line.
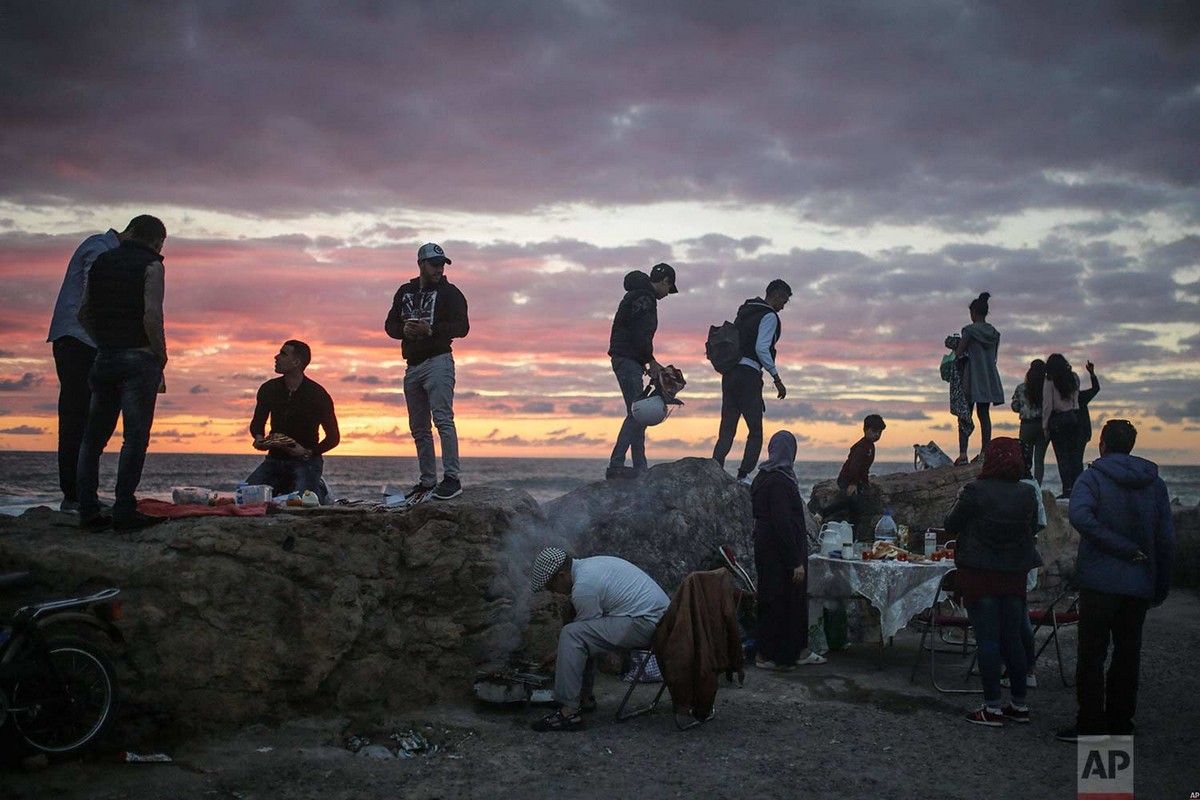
point(66, 714)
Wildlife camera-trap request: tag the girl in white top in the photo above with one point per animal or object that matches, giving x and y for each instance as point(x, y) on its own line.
point(1060, 418)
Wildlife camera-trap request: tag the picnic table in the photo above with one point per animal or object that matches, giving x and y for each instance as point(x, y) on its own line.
point(898, 590)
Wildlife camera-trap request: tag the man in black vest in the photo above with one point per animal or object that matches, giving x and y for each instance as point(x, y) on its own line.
point(758, 328)
point(122, 312)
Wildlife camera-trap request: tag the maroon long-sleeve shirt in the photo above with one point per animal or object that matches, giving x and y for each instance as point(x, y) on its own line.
point(857, 468)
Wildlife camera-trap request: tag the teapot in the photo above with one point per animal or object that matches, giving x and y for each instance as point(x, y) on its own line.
point(832, 536)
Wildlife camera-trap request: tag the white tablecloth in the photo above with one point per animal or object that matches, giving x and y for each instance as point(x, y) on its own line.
point(898, 589)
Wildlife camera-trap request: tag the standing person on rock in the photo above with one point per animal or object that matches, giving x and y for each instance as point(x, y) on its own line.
point(617, 607)
point(426, 314)
point(781, 559)
point(1126, 547)
point(758, 327)
point(1027, 403)
point(122, 312)
point(1060, 419)
point(74, 353)
point(980, 343)
point(631, 348)
point(1085, 417)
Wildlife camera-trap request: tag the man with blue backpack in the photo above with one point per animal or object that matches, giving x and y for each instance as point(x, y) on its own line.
point(757, 327)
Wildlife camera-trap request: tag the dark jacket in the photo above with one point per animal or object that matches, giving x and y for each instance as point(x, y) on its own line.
point(1085, 417)
point(636, 320)
point(994, 521)
point(697, 639)
point(1120, 506)
point(443, 306)
point(748, 318)
point(116, 293)
point(779, 519)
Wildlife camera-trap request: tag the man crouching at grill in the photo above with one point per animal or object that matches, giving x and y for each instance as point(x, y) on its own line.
point(617, 607)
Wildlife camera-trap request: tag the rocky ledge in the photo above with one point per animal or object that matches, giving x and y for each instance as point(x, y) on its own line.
point(229, 620)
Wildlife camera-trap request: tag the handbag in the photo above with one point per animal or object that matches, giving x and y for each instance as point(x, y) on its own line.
point(947, 367)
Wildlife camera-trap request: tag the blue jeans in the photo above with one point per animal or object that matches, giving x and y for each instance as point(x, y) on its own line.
point(123, 382)
point(632, 435)
point(285, 475)
point(998, 634)
point(429, 394)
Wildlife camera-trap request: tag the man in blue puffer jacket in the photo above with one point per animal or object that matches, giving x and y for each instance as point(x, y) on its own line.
point(1126, 544)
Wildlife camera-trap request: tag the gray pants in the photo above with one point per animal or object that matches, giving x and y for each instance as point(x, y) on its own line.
point(429, 394)
point(575, 672)
point(632, 436)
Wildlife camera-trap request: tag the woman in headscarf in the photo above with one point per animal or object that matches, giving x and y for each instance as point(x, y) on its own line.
point(994, 520)
point(1060, 419)
point(980, 343)
point(781, 558)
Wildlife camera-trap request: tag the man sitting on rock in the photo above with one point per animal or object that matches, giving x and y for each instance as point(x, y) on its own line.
point(617, 607)
point(298, 408)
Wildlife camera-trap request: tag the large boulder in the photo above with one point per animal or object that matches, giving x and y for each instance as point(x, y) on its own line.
point(233, 619)
point(669, 521)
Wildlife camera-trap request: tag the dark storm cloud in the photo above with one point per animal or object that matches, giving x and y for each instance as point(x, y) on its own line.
point(1174, 414)
point(27, 381)
point(24, 430)
point(852, 113)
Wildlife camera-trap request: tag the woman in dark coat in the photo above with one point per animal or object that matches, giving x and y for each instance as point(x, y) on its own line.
point(781, 558)
point(994, 520)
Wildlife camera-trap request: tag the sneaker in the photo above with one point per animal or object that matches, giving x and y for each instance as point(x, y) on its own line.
point(773, 666)
point(1013, 714)
point(811, 659)
point(449, 488)
point(137, 522)
point(983, 715)
point(69, 506)
point(416, 489)
point(745, 480)
point(619, 473)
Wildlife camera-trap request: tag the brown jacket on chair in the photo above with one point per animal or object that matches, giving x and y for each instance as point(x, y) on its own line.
point(697, 639)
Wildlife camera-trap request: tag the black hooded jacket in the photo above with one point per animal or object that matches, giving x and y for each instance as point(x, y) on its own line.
point(636, 320)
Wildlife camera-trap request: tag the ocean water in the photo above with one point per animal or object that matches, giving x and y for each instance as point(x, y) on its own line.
point(31, 478)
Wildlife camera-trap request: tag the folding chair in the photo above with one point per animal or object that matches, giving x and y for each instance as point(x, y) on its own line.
point(933, 624)
point(1051, 617)
point(643, 658)
point(691, 584)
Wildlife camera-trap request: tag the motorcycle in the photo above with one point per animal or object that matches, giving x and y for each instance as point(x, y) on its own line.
point(58, 689)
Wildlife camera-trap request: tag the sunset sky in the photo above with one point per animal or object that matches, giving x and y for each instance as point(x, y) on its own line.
point(889, 159)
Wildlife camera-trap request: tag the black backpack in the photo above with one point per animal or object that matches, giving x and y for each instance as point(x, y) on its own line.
point(723, 347)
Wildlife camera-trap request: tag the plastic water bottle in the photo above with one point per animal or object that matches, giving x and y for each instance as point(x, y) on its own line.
point(885, 529)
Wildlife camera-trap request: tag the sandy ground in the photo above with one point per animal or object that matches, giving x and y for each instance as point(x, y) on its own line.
point(848, 729)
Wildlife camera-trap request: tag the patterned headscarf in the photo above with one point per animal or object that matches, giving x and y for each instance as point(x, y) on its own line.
point(781, 455)
point(1002, 459)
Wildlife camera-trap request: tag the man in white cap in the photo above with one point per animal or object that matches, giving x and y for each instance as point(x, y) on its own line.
point(617, 607)
point(427, 312)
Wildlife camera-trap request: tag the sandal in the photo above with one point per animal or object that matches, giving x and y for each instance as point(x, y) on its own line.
point(773, 666)
point(811, 658)
point(558, 722)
